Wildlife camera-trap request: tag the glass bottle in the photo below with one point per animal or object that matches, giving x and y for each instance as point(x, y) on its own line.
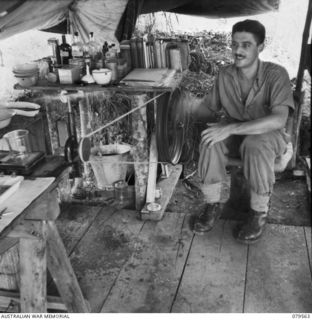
point(65, 51)
point(77, 47)
point(71, 144)
point(94, 50)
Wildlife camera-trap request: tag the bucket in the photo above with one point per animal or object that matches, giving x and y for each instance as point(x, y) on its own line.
point(106, 162)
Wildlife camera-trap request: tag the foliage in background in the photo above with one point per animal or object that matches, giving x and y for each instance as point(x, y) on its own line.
point(105, 109)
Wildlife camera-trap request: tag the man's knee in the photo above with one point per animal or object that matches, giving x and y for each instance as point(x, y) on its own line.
point(254, 144)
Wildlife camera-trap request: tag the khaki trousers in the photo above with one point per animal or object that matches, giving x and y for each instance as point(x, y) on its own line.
point(257, 152)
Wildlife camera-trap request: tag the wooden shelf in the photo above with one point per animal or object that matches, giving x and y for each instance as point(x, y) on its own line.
point(44, 85)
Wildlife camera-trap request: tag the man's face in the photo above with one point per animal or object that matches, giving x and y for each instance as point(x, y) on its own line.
point(245, 49)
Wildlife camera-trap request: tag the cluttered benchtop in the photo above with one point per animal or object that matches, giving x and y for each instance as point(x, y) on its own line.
point(143, 80)
point(144, 64)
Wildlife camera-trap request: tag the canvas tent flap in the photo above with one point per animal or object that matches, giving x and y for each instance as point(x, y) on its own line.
point(205, 8)
point(211, 8)
point(33, 14)
point(99, 16)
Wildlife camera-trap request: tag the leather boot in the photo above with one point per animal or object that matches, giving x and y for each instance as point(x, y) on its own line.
point(206, 220)
point(251, 231)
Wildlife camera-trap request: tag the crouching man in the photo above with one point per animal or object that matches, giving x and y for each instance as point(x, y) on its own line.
point(256, 97)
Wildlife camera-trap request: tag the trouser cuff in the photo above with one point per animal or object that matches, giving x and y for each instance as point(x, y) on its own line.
point(212, 192)
point(259, 202)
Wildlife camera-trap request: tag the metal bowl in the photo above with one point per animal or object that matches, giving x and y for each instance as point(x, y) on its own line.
point(27, 81)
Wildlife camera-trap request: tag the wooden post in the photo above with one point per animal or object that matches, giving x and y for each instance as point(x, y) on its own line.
point(49, 134)
point(140, 149)
point(300, 74)
point(9, 264)
point(152, 171)
point(63, 273)
point(153, 159)
point(33, 272)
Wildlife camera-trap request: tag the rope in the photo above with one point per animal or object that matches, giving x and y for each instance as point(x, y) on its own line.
point(124, 115)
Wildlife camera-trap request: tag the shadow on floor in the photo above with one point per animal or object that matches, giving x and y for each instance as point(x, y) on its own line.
point(289, 202)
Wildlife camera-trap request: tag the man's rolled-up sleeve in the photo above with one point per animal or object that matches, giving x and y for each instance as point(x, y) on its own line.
point(281, 92)
point(212, 100)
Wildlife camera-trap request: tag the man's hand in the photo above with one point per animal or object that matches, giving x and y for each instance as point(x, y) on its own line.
point(215, 132)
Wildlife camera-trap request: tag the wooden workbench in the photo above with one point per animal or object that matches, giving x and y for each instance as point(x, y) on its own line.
point(31, 225)
point(145, 174)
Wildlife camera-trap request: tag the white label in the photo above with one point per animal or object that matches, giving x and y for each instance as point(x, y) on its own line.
point(77, 53)
point(64, 54)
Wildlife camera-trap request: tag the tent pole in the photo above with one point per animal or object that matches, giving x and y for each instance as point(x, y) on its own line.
point(297, 94)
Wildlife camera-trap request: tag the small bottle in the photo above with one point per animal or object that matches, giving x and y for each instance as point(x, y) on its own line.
point(108, 52)
point(94, 50)
point(120, 191)
point(111, 62)
point(104, 51)
point(111, 52)
point(77, 47)
point(65, 51)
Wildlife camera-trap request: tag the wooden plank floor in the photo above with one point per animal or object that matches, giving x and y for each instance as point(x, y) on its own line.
point(127, 265)
point(149, 281)
point(278, 272)
point(308, 235)
point(214, 276)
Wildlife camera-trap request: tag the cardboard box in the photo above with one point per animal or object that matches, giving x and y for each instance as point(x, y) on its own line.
point(69, 74)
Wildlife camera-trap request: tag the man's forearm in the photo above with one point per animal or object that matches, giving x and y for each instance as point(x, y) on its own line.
point(263, 125)
point(217, 132)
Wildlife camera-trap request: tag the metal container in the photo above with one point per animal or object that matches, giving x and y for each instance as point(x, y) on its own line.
point(53, 42)
point(18, 140)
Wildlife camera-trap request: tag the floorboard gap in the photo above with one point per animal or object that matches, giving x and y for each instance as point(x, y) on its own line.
point(308, 253)
point(177, 255)
point(246, 273)
point(222, 236)
point(113, 284)
point(121, 269)
point(87, 229)
point(180, 281)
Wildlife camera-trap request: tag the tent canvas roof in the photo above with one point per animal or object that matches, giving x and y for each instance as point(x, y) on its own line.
point(109, 19)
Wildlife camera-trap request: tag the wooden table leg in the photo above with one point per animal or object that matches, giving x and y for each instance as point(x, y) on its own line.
point(140, 149)
point(62, 272)
point(33, 275)
point(84, 109)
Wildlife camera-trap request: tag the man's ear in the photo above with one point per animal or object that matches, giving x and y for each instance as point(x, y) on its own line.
point(260, 47)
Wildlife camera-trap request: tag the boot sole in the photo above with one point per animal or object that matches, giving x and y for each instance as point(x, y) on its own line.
point(244, 241)
point(247, 241)
point(201, 233)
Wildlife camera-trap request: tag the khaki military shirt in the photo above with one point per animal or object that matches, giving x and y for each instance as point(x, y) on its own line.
point(271, 88)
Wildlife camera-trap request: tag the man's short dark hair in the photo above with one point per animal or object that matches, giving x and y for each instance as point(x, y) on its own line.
point(252, 26)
